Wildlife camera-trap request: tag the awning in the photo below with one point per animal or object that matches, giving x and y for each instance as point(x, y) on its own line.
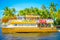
point(42, 21)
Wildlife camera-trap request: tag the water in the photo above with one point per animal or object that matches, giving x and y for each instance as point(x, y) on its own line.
point(29, 36)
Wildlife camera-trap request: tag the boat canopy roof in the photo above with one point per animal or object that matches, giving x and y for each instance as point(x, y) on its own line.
point(46, 21)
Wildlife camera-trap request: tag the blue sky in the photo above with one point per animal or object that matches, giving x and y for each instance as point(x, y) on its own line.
point(22, 4)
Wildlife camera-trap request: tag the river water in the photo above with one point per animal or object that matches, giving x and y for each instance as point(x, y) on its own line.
point(29, 36)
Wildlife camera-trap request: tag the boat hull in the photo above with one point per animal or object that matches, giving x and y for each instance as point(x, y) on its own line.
point(27, 29)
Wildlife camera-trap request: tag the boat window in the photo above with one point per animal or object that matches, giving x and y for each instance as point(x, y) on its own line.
point(15, 24)
point(32, 24)
point(20, 24)
point(20, 18)
point(26, 24)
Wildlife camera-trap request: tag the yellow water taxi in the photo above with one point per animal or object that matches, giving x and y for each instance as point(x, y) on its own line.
point(28, 23)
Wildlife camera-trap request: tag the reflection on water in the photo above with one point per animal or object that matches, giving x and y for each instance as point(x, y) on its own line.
point(30, 36)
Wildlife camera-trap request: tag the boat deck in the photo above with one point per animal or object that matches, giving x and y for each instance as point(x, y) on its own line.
point(28, 29)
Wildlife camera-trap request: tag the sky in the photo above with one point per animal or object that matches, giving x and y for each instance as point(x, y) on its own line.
point(22, 4)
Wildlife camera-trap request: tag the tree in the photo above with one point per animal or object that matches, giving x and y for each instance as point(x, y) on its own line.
point(58, 14)
point(44, 12)
point(9, 13)
point(52, 9)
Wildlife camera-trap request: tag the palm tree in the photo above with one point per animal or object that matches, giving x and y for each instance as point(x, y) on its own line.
point(44, 12)
point(58, 14)
point(20, 12)
point(53, 6)
point(9, 13)
point(52, 9)
point(43, 7)
point(58, 17)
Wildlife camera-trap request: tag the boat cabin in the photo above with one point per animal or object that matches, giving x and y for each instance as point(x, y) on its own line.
point(30, 21)
point(25, 23)
point(21, 18)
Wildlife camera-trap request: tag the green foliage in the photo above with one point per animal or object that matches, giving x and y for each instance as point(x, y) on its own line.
point(58, 21)
point(44, 12)
point(9, 12)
